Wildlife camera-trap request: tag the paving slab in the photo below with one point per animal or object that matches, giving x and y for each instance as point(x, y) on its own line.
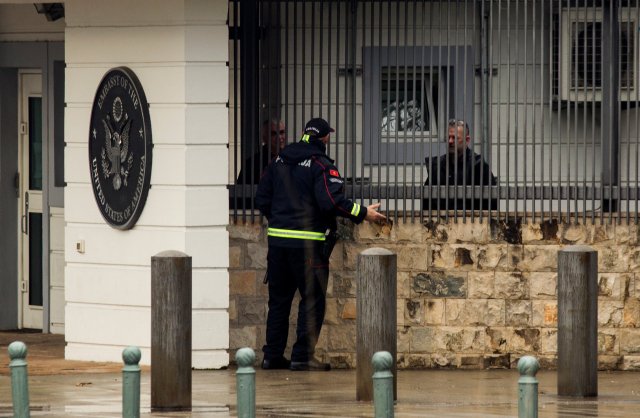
point(81, 391)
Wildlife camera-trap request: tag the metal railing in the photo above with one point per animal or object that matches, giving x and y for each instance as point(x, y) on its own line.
point(548, 89)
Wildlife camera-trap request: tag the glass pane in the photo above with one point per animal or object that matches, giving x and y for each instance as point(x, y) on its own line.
point(35, 259)
point(35, 143)
point(406, 101)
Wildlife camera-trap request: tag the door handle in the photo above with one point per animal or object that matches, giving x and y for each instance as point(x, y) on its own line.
point(24, 222)
point(16, 183)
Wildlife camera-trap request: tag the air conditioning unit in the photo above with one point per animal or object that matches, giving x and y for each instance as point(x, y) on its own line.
point(580, 54)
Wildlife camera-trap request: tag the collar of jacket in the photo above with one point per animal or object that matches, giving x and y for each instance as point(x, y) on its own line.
point(315, 142)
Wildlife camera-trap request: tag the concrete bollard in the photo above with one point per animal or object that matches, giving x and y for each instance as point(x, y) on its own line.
point(376, 324)
point(246, 383)
point(382, 363)
point(131, 382)
point(528, 366)
point(170, 331)
point(577, 321)
point(19, 379)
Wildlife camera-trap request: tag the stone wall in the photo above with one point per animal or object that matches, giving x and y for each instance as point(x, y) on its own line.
point(470, 295)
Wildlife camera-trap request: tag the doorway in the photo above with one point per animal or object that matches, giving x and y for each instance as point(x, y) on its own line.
point(30, 274)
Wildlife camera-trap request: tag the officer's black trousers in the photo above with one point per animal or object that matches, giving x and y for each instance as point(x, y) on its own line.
point(307, 271)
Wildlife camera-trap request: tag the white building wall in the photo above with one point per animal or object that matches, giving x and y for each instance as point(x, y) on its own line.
point(178, 50)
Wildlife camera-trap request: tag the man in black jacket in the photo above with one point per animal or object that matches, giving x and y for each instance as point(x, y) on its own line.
point(273, 136)
point(459, 167)
point(301, 193)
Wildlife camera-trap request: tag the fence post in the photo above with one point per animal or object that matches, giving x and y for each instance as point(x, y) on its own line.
point(246, 383)
point(528, 387)
point(131, 382)
point(19, 379)
point(382, 362)
point(170, 331)
point(376, 324)
point(577, 321)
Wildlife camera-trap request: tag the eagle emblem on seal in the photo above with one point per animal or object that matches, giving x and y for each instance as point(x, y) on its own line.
point(116, 158)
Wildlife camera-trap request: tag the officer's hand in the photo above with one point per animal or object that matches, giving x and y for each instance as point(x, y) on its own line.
point(373, 215)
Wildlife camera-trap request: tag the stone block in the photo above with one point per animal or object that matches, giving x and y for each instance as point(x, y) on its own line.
point(342, 338)
point(257, 255)
point(493, 257)
point(608, 342)
point(475, 312)
point(251, 311)
point(343, 284)
point(404, 339)
point(518, 312)
point(408, 232)
point(412, 257)
point(626, 234)
point(508, 231)
point(630, 363)
point(447, 339)
point(525, 340)
point(368, 231)
point(434, 312)
point(331, 312)
point(443, 361)
point(235, 257)
point(542, 285)
point(416, 361)
point(471, 361)
point(514, 285)
point(497, 340)
point(242, 337)
point(341, 360)
point(496, 361)
point(575, 234)
point(531, 233)
point(547, 362)
point(439, 284)
point(540, 258)
point(435, 231)
point(629, 341)
point(242, 282)
point(468, 232)
point(351, 252)
point(481, 285)
point(336, 261)
point(262, 288)
point(349, 309)
point(601, 234)
point(634, 259)
point(404, 284)
point(233, 312)
point(610, 313)
point(253, 232)
point(609, 363)
point(631, 313)
point(614, 285)
point(400, 313)
point(458, 256)
point(613, 259)
point(549, 341)
point(545, 313)
point(413, 311)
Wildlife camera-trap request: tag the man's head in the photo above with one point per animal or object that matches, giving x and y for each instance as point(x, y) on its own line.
point(459, 138)
point(274, 135)
point(318, 128)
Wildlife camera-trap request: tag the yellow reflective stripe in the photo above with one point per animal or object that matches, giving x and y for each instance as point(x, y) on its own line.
point(292, 233)
point(305, 138)
point(355, 210)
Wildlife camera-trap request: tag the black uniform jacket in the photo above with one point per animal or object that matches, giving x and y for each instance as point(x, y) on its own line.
point(301, 193)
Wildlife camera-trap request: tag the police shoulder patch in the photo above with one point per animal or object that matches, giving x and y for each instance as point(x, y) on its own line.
point(334, 173)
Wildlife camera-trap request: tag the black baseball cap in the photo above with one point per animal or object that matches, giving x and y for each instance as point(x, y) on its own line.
point(318, 127)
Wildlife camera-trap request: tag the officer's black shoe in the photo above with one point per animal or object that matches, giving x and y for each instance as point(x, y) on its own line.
point(312, 364)
point(275, 363)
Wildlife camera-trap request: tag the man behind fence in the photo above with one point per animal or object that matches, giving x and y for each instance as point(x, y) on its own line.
point(301, 193)
point(460, 166)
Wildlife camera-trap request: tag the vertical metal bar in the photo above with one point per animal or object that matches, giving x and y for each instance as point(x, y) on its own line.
point(508, 35)
point(516, 120)
point(629, 73)
point(397, 84)
point(330, 72)
point(405, 137)
point(447, 101)
point(500, 112)
point(287, 120)
point(584, 122)
point(484, 74)
point(560, 88)
point(414, 81)
point(610, 101)
point(442, 103)
point(337, 124)
point(533, 109)
point(364, 68)
point(464, 111)
point(375, 124)
point(573, 93)
point(387, 142)
point(303, 65)
point(322, 61)
point(543, 144)
point(593, 123)
point(235, 109)
point(525, 108)
point(313, 61)
point(347, 56)
point(488, 119)
point(425, 111)
point(295, 70)
point(637, 119)
point(354, 39)
point(550, 106)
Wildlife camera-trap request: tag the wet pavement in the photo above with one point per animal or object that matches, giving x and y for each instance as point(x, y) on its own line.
point(85, 389)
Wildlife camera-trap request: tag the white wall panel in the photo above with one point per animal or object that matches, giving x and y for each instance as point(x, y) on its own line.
point(209, 359)
point(211, 327)
point(210, 289)
point(108, 284)
point(101, 352)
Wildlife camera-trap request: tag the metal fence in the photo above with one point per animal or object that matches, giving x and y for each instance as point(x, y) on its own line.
point(548, 90)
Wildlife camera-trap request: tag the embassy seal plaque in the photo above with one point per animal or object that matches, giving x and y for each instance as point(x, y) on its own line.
point(120, 148)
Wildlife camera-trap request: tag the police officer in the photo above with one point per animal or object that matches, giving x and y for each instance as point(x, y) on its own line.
point(301, 193)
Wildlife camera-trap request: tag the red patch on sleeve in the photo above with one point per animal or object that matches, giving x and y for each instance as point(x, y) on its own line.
point(334, 173)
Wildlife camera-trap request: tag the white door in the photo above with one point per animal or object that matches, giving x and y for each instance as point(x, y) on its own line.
point(30, 148)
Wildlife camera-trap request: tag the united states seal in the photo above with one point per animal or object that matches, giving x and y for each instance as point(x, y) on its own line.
point(120, 147)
